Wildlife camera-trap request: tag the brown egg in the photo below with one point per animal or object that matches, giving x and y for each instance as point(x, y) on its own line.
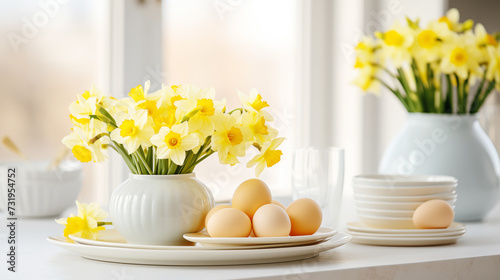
point(305, 216)
point(213, 210)
point(278, 203)
point(250, 196)
point(229, 222)
point(271, 220)
point(434, 213)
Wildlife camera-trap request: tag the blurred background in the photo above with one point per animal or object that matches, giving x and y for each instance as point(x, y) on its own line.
point(298, 53)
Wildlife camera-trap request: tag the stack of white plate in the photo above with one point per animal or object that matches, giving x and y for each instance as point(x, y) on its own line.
point(110, 246)
point(385, 204)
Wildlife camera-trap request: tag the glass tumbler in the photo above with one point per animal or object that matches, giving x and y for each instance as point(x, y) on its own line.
point(319, 174)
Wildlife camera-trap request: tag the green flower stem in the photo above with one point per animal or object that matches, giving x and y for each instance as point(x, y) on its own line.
point(485, 95)
point(172, 167)
point(396, 93)
point(140, 155)
point(412, 97)
point(422, 92)
point(449, 96)
point(126, 157)
point(100, 224)
point(475, 102)
point(466, 94)
point(155, 161)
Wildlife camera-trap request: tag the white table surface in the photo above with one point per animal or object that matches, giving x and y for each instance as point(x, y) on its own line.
point(475, 256)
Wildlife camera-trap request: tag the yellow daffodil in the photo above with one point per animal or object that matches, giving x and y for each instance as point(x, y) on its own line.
point(173, 143)
point(230, 139)
point(268, 156)
point(87, 223)
point(181, 123)
point(202, 102)
point(493, 70)
point(254, 102)
point(461, 56)
point(84, 148)
point(259, 128)
point(428, 43)
point(452, 20)
point(396, 44)
point(133, 130)
point(139, 93)
point(366, 79)
point(485, 42)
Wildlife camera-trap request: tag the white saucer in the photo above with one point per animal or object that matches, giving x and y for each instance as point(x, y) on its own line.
point(397, 241)
point(363, 234)
point(407, 235)
point(199, 256)
point(112, 238)
point(205, 239)
point(361, 227)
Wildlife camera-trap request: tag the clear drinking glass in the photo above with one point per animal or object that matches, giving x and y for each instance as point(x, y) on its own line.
point(319, 174)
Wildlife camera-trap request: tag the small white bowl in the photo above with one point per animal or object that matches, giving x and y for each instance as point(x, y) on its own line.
point(41, 192)
point(403, 190)
point(398, 180)
point(380, 205)
point(385, 213)
point(387, 223)
point(419, 198)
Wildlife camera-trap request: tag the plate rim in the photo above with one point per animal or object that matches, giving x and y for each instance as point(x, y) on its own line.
point(399, 231)
point(199, 257)
point(260, 240)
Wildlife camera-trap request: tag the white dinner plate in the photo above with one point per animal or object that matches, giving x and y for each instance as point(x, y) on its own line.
point(203, 238)
point(112, 238)
point(399, 180)
point(401, 241)
point(361, 227)
point(411, 198)
point(200, 256)
point(407, 235)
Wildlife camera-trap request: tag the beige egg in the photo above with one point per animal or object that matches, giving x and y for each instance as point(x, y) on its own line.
point(305, 216)
point(229, 222)
point(278, 203)
point(250, 196)
point(434, 213)
point(271, 220)
point(213, 210)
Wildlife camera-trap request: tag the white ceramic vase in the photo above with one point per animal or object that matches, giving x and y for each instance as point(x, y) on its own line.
point(454, 145)
point(159, 209)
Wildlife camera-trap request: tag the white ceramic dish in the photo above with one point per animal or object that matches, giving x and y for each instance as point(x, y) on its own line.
point(419, 198)
point(379, 205)
point(385, 213)
point(403, 191)
point(199, 257)
point(361, 227)
point(203, 238)
point(407, 235)
point(387, 222)
point(401, 241)
point(398, 180)
point(41, 192)
point(111, 238)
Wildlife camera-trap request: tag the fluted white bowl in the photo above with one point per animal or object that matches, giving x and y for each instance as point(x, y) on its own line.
point(40, 192)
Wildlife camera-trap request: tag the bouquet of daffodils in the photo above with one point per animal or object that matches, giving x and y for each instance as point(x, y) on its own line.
point(171, 130)
point(443, 67)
